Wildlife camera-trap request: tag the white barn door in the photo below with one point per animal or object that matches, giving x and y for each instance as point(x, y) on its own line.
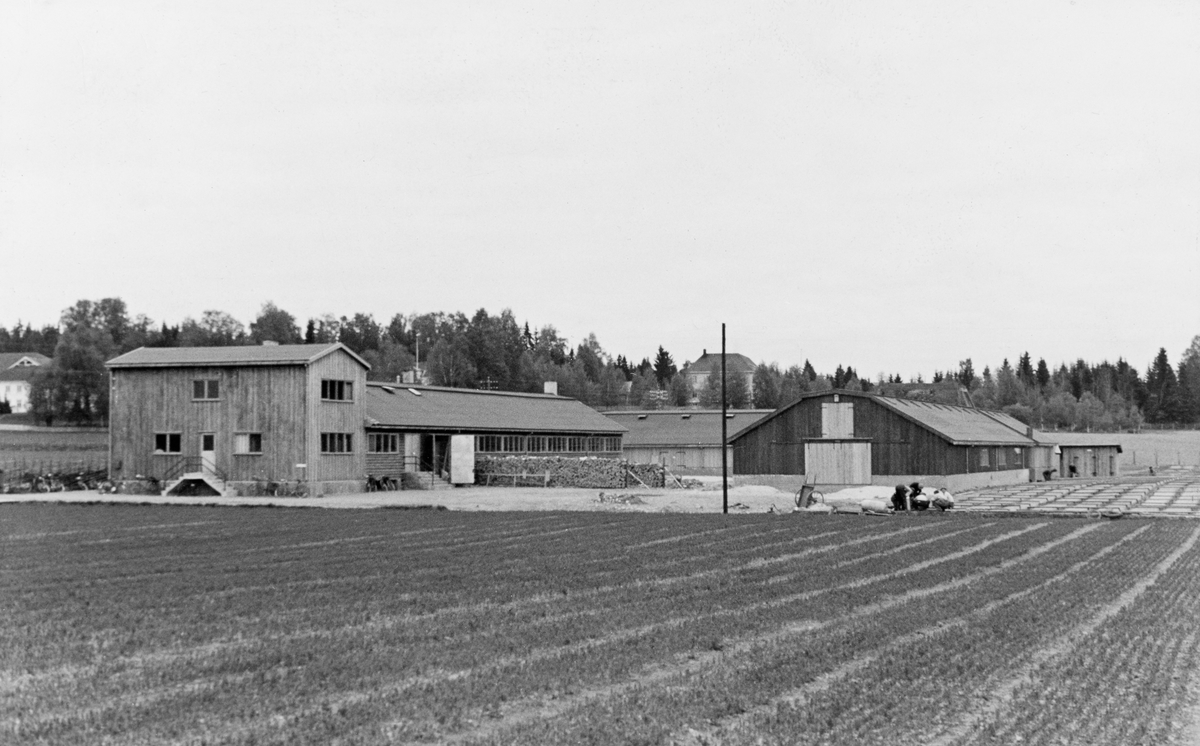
point(837, 419)
point(838, 461)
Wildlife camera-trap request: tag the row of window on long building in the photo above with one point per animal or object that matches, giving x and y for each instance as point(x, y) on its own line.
point(391, 442)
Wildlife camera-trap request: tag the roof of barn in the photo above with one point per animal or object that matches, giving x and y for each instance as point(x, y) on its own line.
point(241, 355)
point(683, 427)
point(442, 409)
point(957, 425)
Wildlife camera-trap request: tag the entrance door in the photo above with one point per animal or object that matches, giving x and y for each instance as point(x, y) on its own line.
point(208, 453)
point(838, 461)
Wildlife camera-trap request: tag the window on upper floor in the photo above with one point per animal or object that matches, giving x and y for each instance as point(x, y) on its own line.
point(335, 390)
point(206, 389)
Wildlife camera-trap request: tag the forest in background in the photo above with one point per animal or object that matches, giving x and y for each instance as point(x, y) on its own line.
point(497, 352)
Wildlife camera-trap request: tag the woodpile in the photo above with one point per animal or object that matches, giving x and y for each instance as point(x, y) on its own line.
point(560, 471)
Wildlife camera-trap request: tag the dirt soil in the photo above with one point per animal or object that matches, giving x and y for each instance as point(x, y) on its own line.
point(745, 499)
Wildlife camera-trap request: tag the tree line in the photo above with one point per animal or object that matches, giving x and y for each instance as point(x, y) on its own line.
point(497, 352)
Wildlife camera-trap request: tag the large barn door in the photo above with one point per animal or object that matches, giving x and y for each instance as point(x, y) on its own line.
point(837, 419)
point(839, 461)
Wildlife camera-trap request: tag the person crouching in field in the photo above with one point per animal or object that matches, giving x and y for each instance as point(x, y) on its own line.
point(942, 500)
point(900, 498)
point(919, 500)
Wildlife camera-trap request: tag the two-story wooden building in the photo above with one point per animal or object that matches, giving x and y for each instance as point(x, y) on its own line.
point(231, 416)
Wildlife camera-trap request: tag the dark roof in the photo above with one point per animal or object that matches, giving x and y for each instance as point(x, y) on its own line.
point(961, 425)
point(683, 427)
point(711, 363)
point(9, 359)
point(1078, 440)
point(23, 373)
point(252, 355)
point(955, 424)
point(437, 408)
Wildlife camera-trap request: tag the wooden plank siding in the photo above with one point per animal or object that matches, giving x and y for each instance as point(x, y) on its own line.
point(267, 400)
point(337, 417)
point(706, 458)
point(898, 445)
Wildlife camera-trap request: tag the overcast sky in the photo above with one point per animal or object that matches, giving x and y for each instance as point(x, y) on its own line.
point(892, 186)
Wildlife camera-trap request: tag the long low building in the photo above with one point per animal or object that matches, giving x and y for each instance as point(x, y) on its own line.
point(415, 428)
point(686, 441)
point(231, 417)
point(847, 437)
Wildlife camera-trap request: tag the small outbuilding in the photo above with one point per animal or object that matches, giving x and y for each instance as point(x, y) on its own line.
point(851, 437)
point(685, 441)
point(1080, 458)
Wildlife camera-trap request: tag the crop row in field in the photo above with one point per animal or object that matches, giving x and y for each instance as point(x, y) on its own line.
point(272, 626)
point(1167, 496)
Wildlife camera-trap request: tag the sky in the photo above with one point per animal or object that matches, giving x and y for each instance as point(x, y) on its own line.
point(891, 186)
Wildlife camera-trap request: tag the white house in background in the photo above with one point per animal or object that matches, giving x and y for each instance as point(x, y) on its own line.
point(697, 373)
point(16, 371)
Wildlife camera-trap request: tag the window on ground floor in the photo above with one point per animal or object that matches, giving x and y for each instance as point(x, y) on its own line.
point(168, 443)
point(337, 443)
point(383, 443)
point(247, 444)
point(984, 461)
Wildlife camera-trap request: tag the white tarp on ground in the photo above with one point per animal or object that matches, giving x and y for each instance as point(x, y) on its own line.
point(852, 498)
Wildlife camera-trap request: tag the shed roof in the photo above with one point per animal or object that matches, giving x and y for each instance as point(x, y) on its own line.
point(711, 362)
point(683, 427)
point(441, 409)
point(241, 355)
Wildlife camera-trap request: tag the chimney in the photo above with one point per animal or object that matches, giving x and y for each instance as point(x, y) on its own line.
point(1029, 431)
point(550, 387)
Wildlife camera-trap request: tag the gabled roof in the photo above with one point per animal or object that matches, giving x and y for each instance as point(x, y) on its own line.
point(242, 355)
point(10, 359)
point(954, 424)
point(441, 409)
point(711, 363)
point(683, 427)
point(20, 373)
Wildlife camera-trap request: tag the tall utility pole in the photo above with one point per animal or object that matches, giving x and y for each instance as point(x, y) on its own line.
point(724, 419)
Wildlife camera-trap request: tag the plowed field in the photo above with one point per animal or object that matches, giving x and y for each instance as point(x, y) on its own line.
point(223, 625)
